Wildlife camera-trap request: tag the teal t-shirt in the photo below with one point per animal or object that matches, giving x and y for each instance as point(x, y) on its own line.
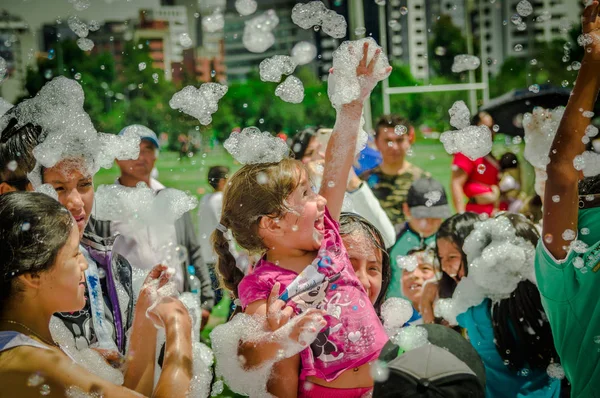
point(408, 240)
point(502, 381)
point(569, 290)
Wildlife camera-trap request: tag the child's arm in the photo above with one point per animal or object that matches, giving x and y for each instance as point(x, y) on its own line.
point(339, 155)
point(283, 381)
point(562, 177)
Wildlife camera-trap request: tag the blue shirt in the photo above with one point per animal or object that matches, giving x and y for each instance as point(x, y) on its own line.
point(502, 381)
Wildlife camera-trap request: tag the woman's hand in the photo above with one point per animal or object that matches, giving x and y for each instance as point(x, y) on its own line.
point(157, 278)
point(167, 310)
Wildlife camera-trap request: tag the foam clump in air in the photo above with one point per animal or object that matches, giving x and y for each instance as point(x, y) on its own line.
point(85, 44)
point(214, 22)
point(141, 205)
point(466, 295)
point(67, 130)
point(460, 116)
point(79, 27)
point(540, 128)
point(246, 7)
point(258, 35)
point(395, 312)
point(473, 141)
point(291, 90)
point(465, 62)
point(411, 337)
point(307, 15)
point(201, 102)
point(272, 69)
point(588, 162)
point(243, 328)
point(85, 357)
point(252, 146)
point(4, 105)
point(343, 84)
point(303, 53)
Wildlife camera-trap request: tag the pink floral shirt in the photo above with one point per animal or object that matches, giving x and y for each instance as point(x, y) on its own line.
point(354, 334)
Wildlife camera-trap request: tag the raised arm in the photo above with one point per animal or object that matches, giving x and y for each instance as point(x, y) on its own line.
point(562, 177)
point(339, 155)
point(458, 180)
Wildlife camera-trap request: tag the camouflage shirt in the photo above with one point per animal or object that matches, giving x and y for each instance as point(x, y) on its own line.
point(391, 190)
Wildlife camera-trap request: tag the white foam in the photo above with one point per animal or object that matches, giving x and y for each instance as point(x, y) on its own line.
point(473, 141)
point(201, 102)
point(315, 14)
point(410, 337)
point(303, 53)
point(460, 116)
point(395, 312)
point(524, 8)
point(3, 68)
point(185, 40)
point(4, 105)
point(540, 128)
point(344, 86)
point(246, 7)
point(85, 44)
point(251, 146)
point(213, 22)
point(80, 5)
point(272, 69)
point(291, 90)
point(588, 162)
point(78, 26)
point(258, 36)
point(465, 62)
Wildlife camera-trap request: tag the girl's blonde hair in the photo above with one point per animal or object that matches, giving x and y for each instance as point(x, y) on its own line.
point(253, 192)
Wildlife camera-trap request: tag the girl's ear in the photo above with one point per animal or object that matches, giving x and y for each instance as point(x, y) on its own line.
point(270, 226)
point(31, 280)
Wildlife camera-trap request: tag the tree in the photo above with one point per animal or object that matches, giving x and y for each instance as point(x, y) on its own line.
point(446, 42)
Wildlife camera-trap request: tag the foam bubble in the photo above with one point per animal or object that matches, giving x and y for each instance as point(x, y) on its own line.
point(79, 27)
point(473, 141)
point(213, 22)
point(251, 146)
point(85, 44)
point(524, 8)
point(201, 102)
point(303, 53)
point(540, 128)
point(395, 312)
point(410, 337)
point(465, 62)
point(291, 90)
point(272, 69)
point(246, 7)
point(258, 36)
point(3, 69)
point(80, 5)
point(460, 116)
point(316, 14)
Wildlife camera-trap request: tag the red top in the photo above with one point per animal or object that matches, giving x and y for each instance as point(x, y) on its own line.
point(483, 173)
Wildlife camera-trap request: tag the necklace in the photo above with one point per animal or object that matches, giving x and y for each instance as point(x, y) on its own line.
point(53, 343)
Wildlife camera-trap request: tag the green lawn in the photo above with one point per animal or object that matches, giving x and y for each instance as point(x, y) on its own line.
point(189, 174)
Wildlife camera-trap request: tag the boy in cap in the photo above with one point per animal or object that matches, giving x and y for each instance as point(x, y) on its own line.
point(447, 367)
point(425, 209)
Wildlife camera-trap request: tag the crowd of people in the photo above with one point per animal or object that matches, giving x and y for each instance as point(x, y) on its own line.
point(320, 275)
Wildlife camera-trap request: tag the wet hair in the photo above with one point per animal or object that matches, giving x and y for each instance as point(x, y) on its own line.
point(33, 229)
point(301, 141)
point(391, 121)
point(351, 222)
point(509, 161)
point(216, 174)
point(455, 229)
point(16, 144)
point(245, 202)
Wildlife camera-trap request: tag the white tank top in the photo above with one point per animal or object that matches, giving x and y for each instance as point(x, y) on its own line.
point(10, 339)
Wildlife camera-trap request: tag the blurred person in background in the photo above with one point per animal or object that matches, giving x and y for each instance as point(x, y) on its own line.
point(477, 180)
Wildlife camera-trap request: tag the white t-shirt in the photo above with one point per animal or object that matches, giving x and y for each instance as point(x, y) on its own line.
point(209, 215)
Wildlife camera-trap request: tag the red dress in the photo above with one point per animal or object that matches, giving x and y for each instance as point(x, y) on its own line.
point(483, 174)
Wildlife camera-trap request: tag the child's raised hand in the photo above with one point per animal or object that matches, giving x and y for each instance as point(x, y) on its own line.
point(278, 314)
point(591, 27)
point(367, 75)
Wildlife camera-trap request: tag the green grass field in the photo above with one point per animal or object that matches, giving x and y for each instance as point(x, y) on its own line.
point(189, 174)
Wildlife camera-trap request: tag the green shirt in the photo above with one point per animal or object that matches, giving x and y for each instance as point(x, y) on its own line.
point(406, 241)
point(391, 190)
point(570, 298)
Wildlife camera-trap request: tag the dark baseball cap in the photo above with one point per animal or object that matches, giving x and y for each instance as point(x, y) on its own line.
point(427, 198)
point(141, 131)
point(447, 367)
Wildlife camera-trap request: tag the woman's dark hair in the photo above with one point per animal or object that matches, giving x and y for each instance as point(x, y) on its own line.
point(16, 145)
point(301, 141)
point(455, 229)
point(216, 174)
point(521, 328)
point(33, 229)
point(350, 222)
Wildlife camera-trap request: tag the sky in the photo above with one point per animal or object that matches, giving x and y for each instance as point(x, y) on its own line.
point(39, 12)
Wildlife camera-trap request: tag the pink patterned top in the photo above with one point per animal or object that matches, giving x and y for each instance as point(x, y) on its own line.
point(354, 334)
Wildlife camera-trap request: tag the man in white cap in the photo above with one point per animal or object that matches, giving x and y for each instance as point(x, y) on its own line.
point(138, 244)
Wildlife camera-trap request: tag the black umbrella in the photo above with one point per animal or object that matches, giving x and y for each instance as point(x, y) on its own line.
point(508, 109)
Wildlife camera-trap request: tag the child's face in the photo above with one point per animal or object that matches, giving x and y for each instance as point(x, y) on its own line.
point(366, 260)
point(412, 282)
point(304, 225)
point(450, 258)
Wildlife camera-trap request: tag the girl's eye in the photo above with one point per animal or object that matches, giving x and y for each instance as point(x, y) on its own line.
point(59, 189)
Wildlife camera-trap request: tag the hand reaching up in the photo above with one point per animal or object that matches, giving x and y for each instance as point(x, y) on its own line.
point(368, 76)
